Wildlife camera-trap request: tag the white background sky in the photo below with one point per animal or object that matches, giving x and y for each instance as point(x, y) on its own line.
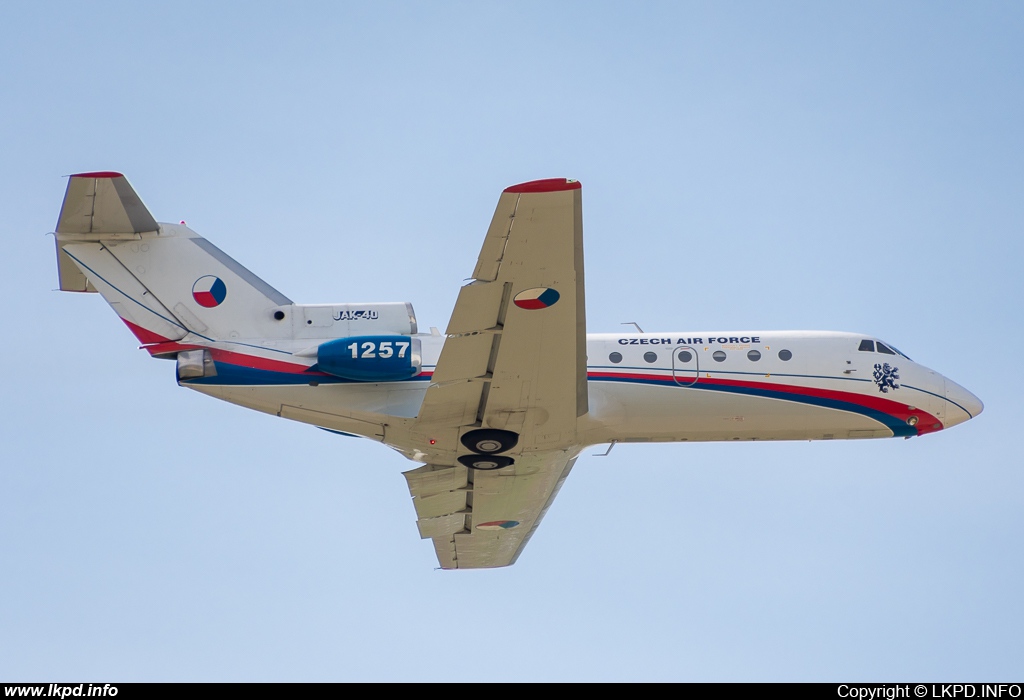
point(744, 166)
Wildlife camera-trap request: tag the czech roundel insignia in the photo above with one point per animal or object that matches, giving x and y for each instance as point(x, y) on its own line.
point(536, 298)
point(498, 525)
point(209, 291)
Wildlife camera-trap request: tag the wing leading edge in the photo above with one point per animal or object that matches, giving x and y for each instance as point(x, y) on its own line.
point(514, 360)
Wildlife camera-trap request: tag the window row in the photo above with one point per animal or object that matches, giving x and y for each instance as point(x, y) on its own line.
point(685, 356)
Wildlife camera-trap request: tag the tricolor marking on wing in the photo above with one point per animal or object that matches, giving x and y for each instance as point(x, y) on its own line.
point(209, 291)
point(498, 525)
point(536, 298)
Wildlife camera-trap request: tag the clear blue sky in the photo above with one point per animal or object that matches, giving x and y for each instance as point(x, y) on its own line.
point(745, 166)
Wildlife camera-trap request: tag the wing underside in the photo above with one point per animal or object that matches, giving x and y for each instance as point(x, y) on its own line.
point(515, 360)
point(483, 519)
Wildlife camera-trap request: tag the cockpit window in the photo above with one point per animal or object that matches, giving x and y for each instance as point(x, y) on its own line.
point(898, 352)
point(878, 346)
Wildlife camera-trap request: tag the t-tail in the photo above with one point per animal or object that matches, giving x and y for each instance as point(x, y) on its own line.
point(183, 297)
point(164, 280)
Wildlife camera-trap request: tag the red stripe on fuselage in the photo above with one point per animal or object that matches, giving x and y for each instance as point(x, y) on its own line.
point(158, 345)
point(254, 362)
point(238, 359)
point(926, 422)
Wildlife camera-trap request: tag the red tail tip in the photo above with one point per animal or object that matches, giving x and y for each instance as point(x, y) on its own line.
point(556, 184)
point(101, 173)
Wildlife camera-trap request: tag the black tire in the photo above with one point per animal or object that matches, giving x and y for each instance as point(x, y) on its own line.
point(486, 441)
point(486, 462)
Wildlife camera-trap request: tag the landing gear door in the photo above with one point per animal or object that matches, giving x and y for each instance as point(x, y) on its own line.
point(685, 365)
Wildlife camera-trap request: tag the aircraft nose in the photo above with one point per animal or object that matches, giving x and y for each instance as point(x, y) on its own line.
point(963, 405)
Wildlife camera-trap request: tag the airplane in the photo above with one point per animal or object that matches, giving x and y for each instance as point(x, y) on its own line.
point(497, 409)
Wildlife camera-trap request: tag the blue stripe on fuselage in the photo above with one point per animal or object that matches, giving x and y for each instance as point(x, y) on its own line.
point(237, 375)
point(897, 426)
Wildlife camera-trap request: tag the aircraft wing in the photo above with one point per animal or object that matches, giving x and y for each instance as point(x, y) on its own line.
point(514, 359)
point(483, 519)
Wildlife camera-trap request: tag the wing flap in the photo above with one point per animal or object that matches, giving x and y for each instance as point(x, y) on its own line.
point(451, 405)
point(432, 479)
point(440, 504)
point(465, 358)
point(436, 489)
point(478, 307)
point(443, 526)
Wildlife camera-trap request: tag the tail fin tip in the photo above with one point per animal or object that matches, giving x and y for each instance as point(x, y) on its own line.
point(104, 174)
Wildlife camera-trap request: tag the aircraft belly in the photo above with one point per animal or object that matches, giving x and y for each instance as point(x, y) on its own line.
point(363, 409)
point(255, 398)
point(640, 413)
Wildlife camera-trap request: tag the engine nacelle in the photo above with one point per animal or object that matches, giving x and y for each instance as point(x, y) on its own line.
point(195, 364)
point(323, 321)
point(371, 358)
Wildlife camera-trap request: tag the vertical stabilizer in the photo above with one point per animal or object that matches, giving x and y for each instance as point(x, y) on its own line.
point(163, 280)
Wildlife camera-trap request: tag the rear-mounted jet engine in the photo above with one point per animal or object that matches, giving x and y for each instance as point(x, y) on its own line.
point(371, 358)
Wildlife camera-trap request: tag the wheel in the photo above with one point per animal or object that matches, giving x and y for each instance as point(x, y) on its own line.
point(485, 462)
point(487, 441)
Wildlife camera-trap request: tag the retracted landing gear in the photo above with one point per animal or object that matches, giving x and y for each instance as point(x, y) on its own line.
point(487, 441)
point(485, 462)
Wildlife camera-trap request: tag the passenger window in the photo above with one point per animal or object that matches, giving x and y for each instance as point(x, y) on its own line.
point(685, 356)
point(718, 356)
point(753, 356)
point(651, 357)
point(884, 349)
point(785, 355)
point(867, 346)
point(615, 357)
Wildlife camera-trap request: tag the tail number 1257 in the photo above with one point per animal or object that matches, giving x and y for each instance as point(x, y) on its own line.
point(383, 349)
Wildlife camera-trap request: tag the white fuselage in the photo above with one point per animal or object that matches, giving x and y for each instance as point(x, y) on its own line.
point(646, 387)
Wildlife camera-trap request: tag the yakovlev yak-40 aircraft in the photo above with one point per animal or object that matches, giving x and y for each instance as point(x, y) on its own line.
point(498, 408)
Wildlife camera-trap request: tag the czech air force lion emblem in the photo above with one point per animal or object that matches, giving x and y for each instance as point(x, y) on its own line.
point(886, 376)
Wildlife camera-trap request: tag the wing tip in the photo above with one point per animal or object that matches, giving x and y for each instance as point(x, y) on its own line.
point(556, 184)
point(99, 174)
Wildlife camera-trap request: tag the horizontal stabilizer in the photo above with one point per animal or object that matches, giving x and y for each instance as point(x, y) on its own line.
point(103, 203)
point(97, 205)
